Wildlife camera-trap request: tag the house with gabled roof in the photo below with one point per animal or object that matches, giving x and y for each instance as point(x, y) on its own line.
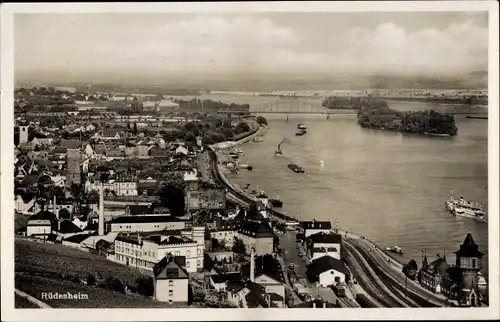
point(327, 271)
point(267, 271)
point(321, 244)
point(70, 144)
point(258, 236)
point(171, 280)
point(247, 294)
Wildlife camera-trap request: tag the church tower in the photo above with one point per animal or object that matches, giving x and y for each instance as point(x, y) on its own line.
point(468, 262)
point(23, 132)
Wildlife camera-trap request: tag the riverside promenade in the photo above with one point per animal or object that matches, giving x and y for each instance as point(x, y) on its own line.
point(383, 276)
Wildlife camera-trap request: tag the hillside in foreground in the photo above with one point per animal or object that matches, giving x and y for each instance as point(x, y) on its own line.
point(43, 268)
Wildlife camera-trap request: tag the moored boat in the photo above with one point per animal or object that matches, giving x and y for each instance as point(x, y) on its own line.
point(276, 202)
point(395, 249)
point(437, 134)
point(464, 208)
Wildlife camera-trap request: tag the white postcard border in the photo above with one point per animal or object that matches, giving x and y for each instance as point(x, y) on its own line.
point(7, 148)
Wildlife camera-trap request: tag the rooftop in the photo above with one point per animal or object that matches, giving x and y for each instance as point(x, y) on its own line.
point(325, 263)
point(326, 238)
point(267, 265)
point(316, 224)
point(143, 219)
point(256, 229)
point(170, 267)
point(469, 248)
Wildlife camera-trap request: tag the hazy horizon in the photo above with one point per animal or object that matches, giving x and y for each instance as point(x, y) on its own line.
point(164, 47)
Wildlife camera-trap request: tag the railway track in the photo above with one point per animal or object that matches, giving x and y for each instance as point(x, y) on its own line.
point(346, 302)
point(406, 295)
point(376, 291)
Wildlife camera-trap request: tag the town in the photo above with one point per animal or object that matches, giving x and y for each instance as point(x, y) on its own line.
point(124, 197)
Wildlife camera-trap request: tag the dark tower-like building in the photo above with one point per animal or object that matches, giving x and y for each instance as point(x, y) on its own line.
point(73, 174)
point(468, 265)
point(137, 106)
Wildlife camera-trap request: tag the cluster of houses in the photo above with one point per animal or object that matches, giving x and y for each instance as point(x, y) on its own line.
point(461, 282)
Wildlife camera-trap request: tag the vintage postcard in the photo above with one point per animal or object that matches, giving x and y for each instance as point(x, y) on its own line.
point(249, 161)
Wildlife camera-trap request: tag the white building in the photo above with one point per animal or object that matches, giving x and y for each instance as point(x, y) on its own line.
point(225, 232)
point(171, 280)
point(39, 227)
point(144, 224)
point(191, 175)
point(321, 244)
point(25, 208)
point(314, 227)
point(145, 251)
point(328, 271)
point(121, 188)
point(58, 180)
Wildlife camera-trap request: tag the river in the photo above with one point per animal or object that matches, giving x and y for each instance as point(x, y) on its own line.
point(387, 186)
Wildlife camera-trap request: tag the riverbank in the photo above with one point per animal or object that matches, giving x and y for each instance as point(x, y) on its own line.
point(230, 144)
point(392, 266)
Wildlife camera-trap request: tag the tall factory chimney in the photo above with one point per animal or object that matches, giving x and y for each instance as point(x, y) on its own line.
point(101, 209)
point(54, 208)
point(252, 265)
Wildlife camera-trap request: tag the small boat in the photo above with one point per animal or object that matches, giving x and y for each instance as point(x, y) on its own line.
point(301, 132)
point(464, 208)
point(301, 127)
point(278, 150)
point(258, 139)
point(246, 166)
point(395, 249)
point(237, 152)
point(437, 134)
point(476, 117)
point(276, 202)
point(295, 168)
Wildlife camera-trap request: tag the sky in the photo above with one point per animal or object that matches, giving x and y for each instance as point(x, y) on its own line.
point(270, 43)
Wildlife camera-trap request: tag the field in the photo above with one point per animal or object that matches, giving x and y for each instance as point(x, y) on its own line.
point(55, 268)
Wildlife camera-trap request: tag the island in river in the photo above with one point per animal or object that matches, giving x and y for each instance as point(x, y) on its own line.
point(375, 113)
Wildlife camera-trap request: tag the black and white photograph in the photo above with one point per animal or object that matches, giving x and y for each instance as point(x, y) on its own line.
point(251, 155)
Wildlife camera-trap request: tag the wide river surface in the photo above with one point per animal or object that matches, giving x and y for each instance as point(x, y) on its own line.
point(386, 186)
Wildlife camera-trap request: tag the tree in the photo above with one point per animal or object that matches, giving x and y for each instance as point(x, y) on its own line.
point(261, 120)
point(114, 284)
point(91, 279)
point(215, 243)
point(239, 247)
point(173, 198)
point(93, 197)
point(145, 286)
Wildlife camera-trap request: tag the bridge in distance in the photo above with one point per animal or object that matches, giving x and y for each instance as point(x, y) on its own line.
point(311, 106)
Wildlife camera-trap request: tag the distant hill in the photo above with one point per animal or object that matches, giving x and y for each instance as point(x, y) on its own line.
point(269, 82)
